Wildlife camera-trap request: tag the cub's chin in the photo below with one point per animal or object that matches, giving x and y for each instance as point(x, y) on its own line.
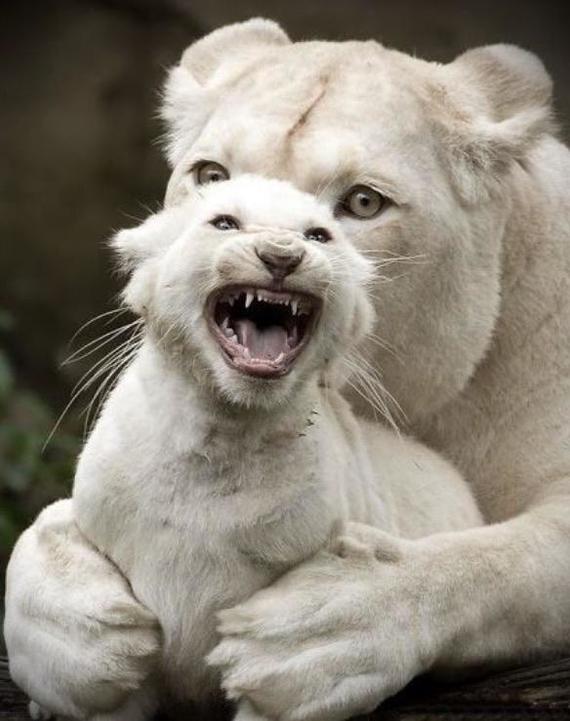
point(261, 333)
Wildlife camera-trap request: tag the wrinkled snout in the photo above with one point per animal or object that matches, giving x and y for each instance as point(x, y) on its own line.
point(280, 258)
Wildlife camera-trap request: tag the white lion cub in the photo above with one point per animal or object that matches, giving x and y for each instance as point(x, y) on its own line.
point(225, 454)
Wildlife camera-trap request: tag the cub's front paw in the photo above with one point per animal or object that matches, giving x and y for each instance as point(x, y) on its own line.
point(79, 643)
point(37, 713)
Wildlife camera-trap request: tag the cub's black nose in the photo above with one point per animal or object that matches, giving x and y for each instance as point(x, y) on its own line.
point(279, 264)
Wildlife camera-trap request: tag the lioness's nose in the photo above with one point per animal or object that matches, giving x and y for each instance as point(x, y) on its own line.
point(280, 263)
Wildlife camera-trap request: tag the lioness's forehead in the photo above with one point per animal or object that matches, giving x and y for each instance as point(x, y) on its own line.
point(313, 110)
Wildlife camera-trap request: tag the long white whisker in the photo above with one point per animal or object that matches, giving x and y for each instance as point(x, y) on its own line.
point(115, 311)
point(371, 388)
point(99, 343)
point(87, 380)
point(107, 384)
point(375, 374)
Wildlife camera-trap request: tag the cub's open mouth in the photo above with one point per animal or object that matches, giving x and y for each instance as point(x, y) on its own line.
point(262, 331)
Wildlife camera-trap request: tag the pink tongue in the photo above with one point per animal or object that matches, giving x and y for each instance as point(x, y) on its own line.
point(262, 343)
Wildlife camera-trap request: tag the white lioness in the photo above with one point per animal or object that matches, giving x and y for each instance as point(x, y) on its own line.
point(455, 167)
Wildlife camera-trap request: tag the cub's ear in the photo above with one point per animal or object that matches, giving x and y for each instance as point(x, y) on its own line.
point(190, 91)
point(502, 97)
point(134, 246)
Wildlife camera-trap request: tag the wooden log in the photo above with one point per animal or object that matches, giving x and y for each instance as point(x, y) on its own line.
point(539, 693)
point(13, 704)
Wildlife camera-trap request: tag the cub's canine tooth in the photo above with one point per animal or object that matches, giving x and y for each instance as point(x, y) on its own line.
point(294, 304)
point(248, 299)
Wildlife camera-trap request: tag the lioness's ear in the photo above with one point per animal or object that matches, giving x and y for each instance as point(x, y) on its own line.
point(231, 42)
point(503, 97)
point(189, 94)
point(510, 78)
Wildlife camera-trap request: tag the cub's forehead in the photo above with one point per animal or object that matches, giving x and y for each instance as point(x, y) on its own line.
point(261, 201)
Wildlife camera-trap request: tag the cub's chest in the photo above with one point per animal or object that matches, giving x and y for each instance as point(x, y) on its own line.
point(199, 499)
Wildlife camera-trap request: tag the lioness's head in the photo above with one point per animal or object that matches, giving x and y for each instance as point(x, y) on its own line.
point(248, 282)
point(413, 159)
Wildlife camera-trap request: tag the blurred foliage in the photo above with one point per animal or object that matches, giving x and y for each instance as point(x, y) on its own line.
point(31, 476)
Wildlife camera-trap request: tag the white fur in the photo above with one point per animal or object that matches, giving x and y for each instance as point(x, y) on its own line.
point(472, 319)
point(203, 485)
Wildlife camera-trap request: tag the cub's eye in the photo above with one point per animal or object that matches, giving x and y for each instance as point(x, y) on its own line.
point(321, 235)
point(209, 172)
point(362, 202)
point(225, 222)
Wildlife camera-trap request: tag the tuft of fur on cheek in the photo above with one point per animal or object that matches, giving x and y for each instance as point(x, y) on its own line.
point(139, 291)
point(353, 276)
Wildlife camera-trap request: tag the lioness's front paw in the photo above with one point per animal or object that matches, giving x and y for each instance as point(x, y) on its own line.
point(332, 638)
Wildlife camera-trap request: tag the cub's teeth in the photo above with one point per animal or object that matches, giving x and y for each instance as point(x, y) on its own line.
point(231, 299)
point(260, 295)
point(225, 326)
point(294, 305)
point(248, 299)
point(246, 354)
point(280, 357)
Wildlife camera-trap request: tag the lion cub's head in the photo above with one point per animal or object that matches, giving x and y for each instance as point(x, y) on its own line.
point(249, 282)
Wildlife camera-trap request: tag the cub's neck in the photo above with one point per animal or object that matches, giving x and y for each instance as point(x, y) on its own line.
point(196, 419)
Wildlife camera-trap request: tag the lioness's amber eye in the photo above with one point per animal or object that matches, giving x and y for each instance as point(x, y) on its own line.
point(362, 202)
point(209, 172)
